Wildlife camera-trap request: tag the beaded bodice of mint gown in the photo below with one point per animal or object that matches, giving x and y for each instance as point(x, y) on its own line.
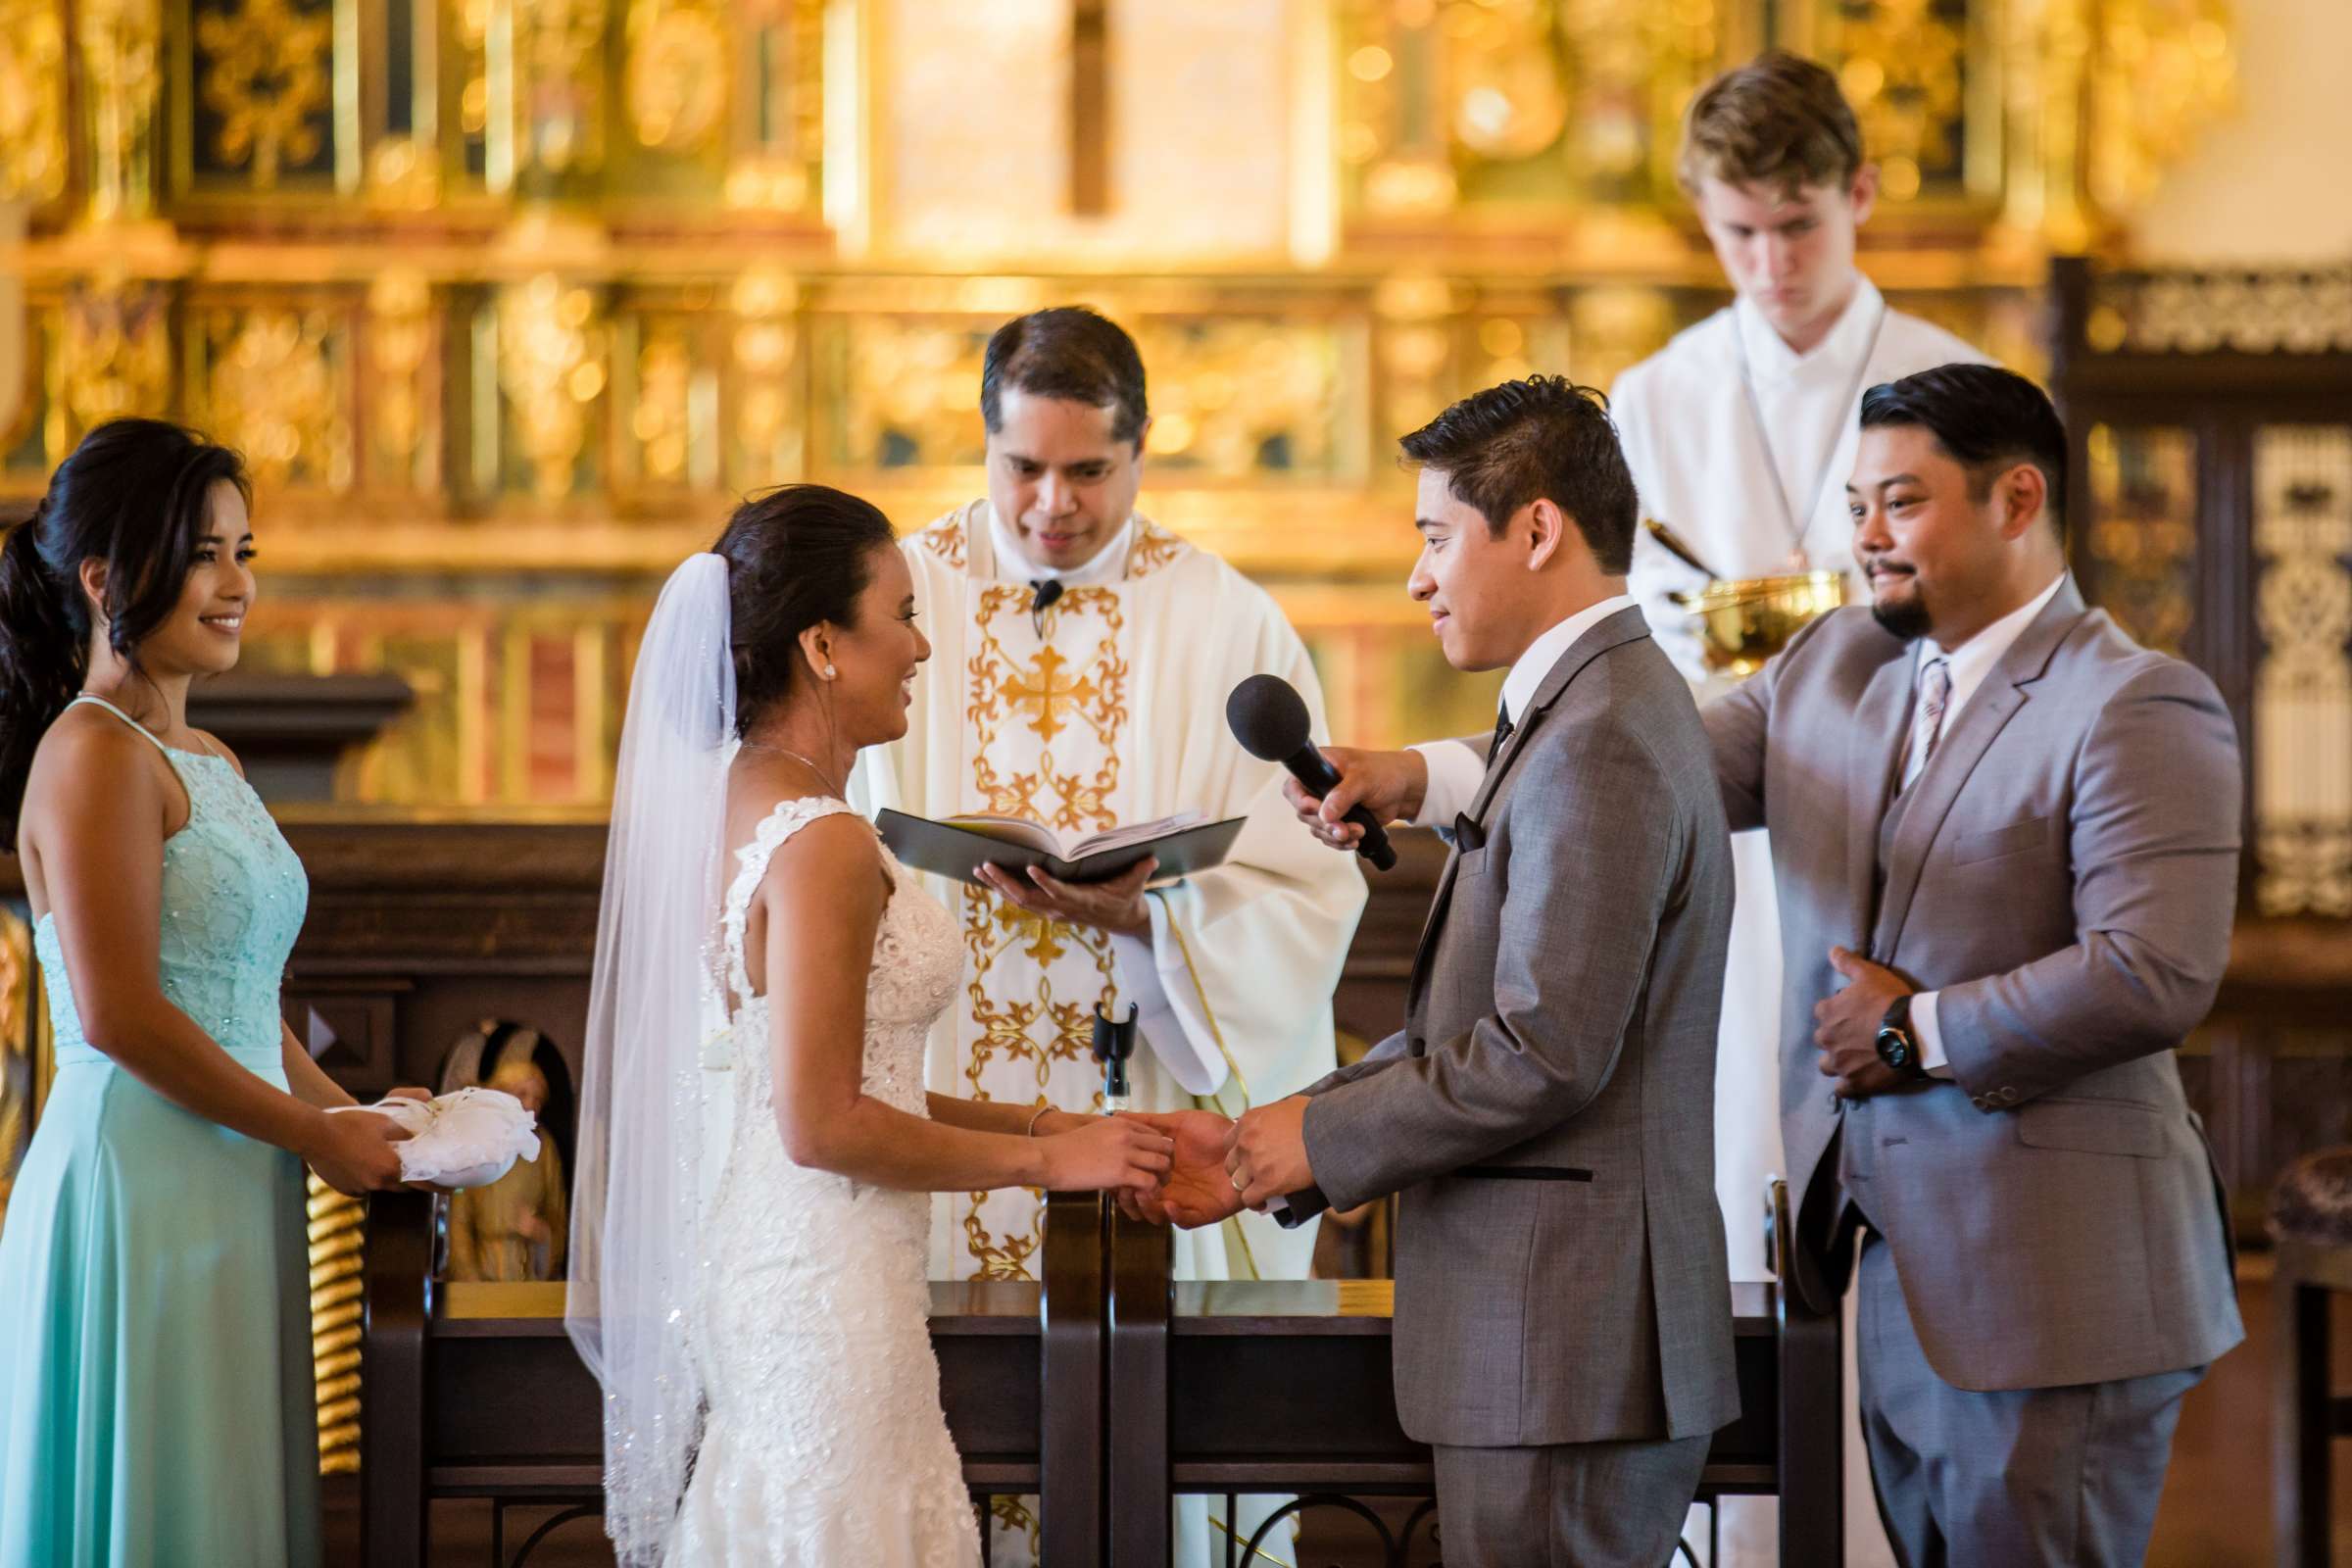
point(234, 899)
point(156, 1396)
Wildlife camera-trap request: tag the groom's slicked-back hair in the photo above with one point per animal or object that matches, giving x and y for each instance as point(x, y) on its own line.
point(1071, 353)
point(797, 556)
point(1543, 438)
point(1987, 418)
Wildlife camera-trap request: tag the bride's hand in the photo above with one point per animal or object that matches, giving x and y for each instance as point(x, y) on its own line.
point(1107, 1152)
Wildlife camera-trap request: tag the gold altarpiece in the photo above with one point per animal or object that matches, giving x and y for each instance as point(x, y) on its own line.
point(505, 301)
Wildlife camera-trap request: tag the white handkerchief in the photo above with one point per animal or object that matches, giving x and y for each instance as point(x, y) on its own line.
point(466, 1138)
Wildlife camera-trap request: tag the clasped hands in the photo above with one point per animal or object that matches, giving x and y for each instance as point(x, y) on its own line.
point(1223, 1166)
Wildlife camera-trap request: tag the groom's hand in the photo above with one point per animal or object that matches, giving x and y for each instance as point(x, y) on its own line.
point(1115, 906)
point(1390, 785)
point(1265, 1157)
point(1196, 1192)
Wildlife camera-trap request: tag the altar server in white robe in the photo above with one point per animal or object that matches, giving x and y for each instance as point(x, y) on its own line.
point(1081, 660)
point(1740, 434)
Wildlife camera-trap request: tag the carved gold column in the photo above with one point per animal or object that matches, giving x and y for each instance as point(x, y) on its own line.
point(547, 85)
point(119, 46)
point(552, 368)
point(403, 418)
point(337, 1289)
point(24, 1071)
point(32, 100)
point(769, 437)
point(1413, 350)
point(116, 355)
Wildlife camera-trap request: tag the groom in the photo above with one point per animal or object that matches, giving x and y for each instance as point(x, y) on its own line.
point(1563, 1332)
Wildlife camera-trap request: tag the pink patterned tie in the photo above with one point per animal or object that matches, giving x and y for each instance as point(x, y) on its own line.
point(1927, 725)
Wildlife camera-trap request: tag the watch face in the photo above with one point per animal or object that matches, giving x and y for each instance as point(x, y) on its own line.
point(1895, 1049)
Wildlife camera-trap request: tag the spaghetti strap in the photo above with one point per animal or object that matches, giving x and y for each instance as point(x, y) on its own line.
point(99, 702)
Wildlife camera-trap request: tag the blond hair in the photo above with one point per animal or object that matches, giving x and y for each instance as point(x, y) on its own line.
point(1779, 122)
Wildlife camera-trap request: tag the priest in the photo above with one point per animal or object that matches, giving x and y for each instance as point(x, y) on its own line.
point(1081, 659)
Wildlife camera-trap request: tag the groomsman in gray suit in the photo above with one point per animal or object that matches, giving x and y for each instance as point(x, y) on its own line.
point(1563, 1324)
point(2006, 841)
point(2006, 836)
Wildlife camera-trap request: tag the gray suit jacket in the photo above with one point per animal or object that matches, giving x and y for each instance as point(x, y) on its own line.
point(1547, 1112)
point(2065, 877)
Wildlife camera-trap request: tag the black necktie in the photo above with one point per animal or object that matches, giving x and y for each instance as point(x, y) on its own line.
point(1502, 734)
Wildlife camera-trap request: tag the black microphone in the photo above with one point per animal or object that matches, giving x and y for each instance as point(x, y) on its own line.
point(1046, 591)
point(1270, 721)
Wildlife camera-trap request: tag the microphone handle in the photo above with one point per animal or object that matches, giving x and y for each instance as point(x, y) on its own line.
point(1308, 766)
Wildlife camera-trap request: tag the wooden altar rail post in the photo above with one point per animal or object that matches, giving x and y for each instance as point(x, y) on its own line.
point(393, 1356)
point(1071, 1310)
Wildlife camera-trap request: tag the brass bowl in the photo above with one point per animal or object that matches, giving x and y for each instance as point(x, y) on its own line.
point(1743, 621)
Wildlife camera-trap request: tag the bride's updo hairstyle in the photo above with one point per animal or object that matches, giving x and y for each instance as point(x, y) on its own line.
point(135, 494)
point(796, 557)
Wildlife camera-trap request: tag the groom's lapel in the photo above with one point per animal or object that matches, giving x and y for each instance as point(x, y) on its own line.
point(1622, 627)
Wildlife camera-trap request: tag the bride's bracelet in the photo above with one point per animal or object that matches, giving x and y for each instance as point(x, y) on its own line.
point(1031, 1130)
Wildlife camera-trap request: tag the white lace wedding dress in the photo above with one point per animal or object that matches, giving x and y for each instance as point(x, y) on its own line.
point(826, 1446)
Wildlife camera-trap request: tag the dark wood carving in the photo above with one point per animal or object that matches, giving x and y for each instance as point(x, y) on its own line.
point(2133, 352)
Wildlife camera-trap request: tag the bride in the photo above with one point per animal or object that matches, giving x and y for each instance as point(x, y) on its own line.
point(770, 1393)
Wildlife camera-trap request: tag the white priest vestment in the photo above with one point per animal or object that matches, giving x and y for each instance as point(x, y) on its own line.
point(1689, 433)
point(1116, 714)
point(1108, 709)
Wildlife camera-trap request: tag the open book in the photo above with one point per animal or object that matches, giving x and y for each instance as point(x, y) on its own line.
point(959, 846)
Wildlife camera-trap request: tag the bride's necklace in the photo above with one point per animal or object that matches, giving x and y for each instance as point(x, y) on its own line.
point(822, 777)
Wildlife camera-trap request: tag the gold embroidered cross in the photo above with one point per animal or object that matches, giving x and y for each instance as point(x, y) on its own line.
point(1049, 692)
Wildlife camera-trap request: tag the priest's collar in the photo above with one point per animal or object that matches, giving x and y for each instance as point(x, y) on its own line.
point(1837, 353)
point(1109, 563)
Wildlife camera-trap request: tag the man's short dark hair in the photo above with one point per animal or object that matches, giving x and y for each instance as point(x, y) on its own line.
point(1986, 419)
point(1543, 438)
point(1071, 353)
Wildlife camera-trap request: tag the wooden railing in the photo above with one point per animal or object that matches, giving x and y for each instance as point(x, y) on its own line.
point(1107, 1390)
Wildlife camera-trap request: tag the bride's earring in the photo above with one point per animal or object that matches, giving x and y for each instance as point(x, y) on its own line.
point(829, 672)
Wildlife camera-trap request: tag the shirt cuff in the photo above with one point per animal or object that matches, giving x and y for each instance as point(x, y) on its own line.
point(1455, 775)
point(1931, 1036)
point(1152, 975)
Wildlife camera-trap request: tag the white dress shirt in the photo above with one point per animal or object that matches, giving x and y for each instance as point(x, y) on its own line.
point(1455, 770)
point(1968, 665)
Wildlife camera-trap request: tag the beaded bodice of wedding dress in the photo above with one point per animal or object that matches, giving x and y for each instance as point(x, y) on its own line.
point(825, 1444)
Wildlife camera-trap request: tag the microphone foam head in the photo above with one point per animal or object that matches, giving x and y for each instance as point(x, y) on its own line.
point(1267, 718)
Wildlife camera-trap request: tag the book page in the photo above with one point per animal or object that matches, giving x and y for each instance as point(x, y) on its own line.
point(1133, 833)
point(1012, 830)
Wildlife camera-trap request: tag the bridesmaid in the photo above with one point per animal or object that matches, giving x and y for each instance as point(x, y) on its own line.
point(155, 1339)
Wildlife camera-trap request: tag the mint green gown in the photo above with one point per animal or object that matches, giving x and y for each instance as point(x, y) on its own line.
point(156, 1406)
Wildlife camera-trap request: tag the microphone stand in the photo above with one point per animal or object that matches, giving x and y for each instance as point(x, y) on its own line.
point(1114, 1043)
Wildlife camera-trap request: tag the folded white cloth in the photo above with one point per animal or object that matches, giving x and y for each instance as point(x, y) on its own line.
point(466, 1138)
